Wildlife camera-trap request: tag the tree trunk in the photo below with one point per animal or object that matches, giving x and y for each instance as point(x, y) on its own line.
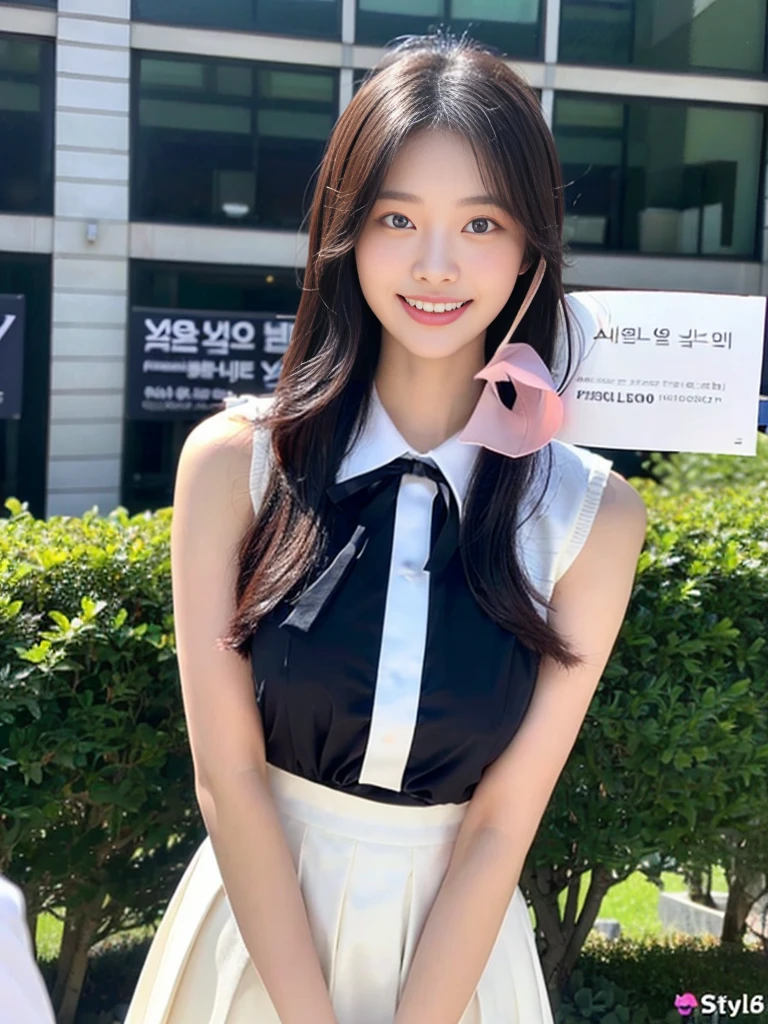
point(693, 879)
point(79, 928)
point(599, 885)
point(708, 887)
point(32, 928)
point(564, 938)
point(743, 889)
point(66, 954)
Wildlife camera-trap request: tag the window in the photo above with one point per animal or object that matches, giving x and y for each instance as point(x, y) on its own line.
point(24, 442)
point(657, 177)
point(227, 142)
point(314, 18)
point(512, 26)
point(712, 35)
point(26, 124)
point(152, 448)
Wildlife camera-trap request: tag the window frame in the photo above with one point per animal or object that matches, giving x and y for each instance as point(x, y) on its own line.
point(626, 102)
point(47, 121)
point(256, 28)
point(459, 25)
point(694, 70)
point(255, 105)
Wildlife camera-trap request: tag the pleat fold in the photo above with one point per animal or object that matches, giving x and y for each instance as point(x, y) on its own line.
point(367, 963)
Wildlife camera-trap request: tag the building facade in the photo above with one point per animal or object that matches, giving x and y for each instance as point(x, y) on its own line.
point(161, 153)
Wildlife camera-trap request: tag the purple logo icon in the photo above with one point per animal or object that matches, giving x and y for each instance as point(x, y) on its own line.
point(686, 1003)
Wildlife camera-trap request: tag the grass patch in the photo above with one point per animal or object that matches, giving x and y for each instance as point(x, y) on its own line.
point(634, 902)
point(50, 930)
point(48, 936)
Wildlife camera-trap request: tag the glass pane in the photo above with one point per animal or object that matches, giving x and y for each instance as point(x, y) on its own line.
point(309, 18)
point(20, 96)
point(724, 35)
point(181, 73)
point(234, 81)
point(512, 26)
point(523, 11)
point(592, 113)
point(660, 177)
point(241, 149)
point(26, 125)
point(23, 442)
point(425, 8)
point(194, 117)
point(292, 85)
point(295, 125)
point(18, 56)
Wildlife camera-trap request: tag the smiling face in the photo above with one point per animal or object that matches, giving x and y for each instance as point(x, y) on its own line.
point(445, 242)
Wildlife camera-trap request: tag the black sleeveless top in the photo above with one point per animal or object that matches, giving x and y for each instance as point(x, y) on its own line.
point(386, 679)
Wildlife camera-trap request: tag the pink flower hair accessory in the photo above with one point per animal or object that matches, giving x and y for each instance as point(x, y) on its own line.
point(537, 413)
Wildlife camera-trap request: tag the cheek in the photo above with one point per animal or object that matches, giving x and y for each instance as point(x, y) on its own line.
point(497, 266)
point(377, 266)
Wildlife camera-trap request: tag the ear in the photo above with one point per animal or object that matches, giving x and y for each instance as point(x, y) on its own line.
point(525, 266)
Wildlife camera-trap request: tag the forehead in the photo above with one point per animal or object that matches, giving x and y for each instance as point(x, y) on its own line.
point(440, 166)
point(446, 154)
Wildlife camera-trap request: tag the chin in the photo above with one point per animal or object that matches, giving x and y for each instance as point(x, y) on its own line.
point(431, 352)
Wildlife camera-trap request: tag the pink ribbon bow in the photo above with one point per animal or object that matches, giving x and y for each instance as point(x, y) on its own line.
point(537, 413)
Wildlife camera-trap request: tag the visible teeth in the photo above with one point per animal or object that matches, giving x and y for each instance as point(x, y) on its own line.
point(435, 307)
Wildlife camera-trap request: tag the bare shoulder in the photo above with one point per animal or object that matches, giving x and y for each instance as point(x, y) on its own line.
point(215, 459)
point(227, 430)
point(621, 507)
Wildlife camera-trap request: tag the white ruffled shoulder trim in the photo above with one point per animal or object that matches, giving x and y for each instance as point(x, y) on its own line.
point(550, 539)
point(254, 407)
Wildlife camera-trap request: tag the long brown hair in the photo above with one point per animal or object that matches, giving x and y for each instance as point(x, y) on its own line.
point(322, 397)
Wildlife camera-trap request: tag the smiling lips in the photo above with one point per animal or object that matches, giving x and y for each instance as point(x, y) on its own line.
point(431, 301)
point(424, 316)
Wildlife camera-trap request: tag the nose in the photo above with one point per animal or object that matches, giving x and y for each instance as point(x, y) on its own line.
point(435, 262)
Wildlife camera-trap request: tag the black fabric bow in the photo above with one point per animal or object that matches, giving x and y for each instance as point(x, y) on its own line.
point(383, 483)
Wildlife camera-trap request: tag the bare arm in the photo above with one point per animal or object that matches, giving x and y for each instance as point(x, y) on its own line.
point(507, 807)
point(212, 511)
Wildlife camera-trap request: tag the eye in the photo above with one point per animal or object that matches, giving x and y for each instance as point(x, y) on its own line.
point(481, 220)
point(400, 215)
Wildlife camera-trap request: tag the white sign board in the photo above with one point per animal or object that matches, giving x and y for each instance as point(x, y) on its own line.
point(665, 371)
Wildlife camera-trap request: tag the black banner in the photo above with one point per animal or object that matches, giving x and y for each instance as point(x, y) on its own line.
point(11, 355)
point(182, 363)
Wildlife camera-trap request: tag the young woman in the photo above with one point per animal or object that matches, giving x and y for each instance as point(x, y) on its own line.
point(395, 592)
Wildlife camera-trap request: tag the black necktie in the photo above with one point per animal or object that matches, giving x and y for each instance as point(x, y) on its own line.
point(382, 485)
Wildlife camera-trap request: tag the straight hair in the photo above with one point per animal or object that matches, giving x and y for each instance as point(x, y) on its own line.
point(323, 395)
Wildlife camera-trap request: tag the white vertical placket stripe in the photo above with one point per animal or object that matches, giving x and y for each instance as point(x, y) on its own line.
point(404, 638)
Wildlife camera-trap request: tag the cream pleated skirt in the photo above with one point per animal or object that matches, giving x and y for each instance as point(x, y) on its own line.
point(369, 873)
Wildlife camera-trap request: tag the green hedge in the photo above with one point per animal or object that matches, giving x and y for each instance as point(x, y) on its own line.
point(685, 471)
point(97, 806)
point(636, 982)
point(673, 752)
point(97, 810)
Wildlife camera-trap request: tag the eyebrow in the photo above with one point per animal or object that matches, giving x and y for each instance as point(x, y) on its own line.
point(409, 197)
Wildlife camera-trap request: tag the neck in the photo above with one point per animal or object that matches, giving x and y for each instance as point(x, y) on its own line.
point(429, 400)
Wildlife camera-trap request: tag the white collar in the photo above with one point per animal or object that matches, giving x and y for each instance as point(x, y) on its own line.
point(380, 442)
